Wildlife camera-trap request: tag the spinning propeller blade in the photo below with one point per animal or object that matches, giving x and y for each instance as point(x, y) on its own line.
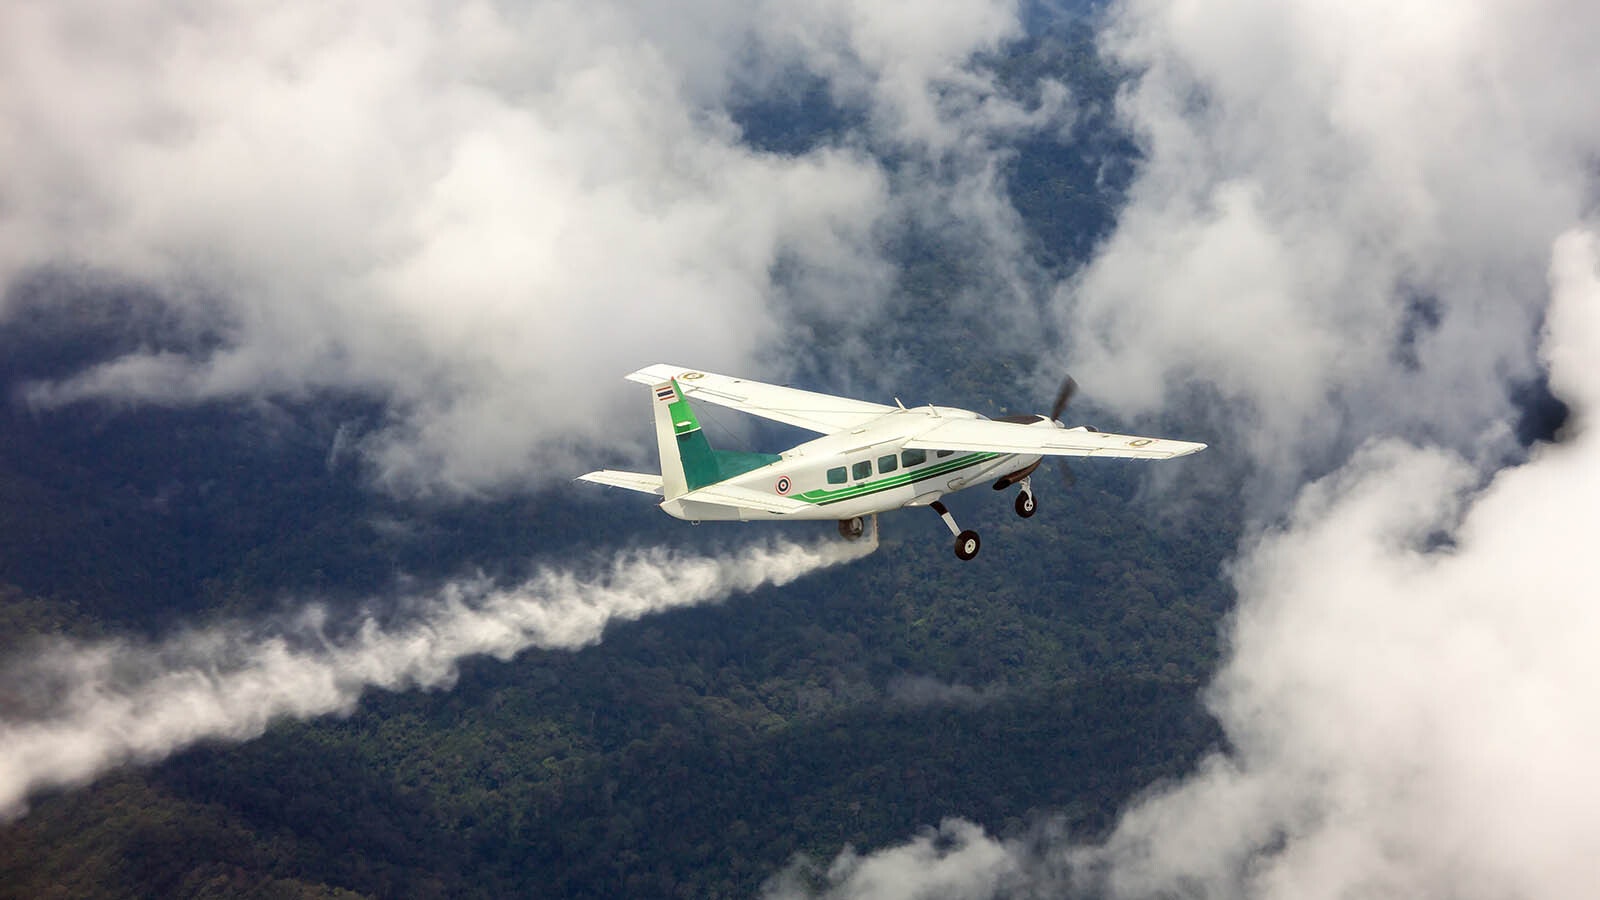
point(1063, 397)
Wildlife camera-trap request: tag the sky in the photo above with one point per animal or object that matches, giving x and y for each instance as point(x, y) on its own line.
point(1357, 231)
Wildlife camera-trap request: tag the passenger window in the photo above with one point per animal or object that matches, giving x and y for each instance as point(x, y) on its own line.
point(942, 453)
point(887, 464)
point(836, 475)
point(911, 458)
point(861, 470)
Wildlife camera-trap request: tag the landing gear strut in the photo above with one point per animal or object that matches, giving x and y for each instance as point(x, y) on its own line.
point(967, 542)
point(1025, 505)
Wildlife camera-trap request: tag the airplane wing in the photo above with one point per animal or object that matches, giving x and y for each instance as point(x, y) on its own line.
point(822, 413)
point(633, 481)
point(1012, 437)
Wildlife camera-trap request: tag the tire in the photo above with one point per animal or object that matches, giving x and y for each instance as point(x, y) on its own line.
point(967, 544)
point(852, 529)
point(1025, 505)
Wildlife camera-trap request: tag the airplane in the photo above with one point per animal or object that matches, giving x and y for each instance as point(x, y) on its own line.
point(871, 458)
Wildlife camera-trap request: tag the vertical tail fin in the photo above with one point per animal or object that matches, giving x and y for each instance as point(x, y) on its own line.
point(687, 461)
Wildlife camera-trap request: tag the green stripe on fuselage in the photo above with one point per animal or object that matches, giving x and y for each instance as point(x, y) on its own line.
point(823, 496)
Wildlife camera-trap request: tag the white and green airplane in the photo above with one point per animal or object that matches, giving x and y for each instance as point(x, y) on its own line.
point(871, 458)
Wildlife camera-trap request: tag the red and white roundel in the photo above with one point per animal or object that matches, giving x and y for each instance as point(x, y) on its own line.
point(783, 484)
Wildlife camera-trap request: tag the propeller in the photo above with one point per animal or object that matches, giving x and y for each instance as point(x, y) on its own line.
point(1063, 397)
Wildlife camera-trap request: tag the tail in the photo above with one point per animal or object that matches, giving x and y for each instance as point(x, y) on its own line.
point(687, 460)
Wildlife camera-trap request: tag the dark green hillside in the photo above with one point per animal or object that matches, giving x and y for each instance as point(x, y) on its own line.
point(694, 752)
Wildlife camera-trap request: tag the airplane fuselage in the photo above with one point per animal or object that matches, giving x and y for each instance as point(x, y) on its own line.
point(871, 457)
point(864, 470)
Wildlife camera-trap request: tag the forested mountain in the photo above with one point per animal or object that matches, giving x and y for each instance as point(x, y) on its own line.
point(690, 754)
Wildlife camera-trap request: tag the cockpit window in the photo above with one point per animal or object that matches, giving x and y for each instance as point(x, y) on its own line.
point(836, 475)
point(861, 470)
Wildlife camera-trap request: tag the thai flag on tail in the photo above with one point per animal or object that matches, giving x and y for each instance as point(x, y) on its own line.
point(666, 394)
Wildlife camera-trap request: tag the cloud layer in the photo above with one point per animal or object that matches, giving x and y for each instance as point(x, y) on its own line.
point(1411, 717)
point(1357, 228)
point(1343, 216)
point(1408, 695)
point(482, 214)
point(99, 705)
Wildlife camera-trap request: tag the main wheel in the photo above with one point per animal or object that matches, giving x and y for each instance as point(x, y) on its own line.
point(967, 544)
point(1025, 505)
point(852, 529)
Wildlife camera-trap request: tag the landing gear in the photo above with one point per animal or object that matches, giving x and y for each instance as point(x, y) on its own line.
point(1025, 505)
point(967, 542)
point(852, 529)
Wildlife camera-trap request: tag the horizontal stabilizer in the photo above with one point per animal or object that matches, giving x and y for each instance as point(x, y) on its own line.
point(633, 481)
point(745, 498)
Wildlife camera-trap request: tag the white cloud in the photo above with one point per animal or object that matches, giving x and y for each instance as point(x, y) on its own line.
point(955, 862)
point(482, 214)
point(104, 704)
point(1351, 224)
point(1314, 173)
point(1408, 694)
point(1410, 719)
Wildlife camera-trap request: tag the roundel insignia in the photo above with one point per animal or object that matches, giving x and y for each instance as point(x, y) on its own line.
point(1141, 442)
point(783, 484)
point(690, 376)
